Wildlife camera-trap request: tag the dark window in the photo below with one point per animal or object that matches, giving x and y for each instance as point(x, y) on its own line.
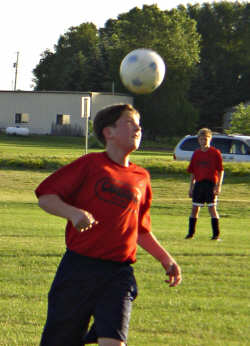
point(222, 144)
point(18, 118)
point(21, 118)
point(59, 119)
point(62, 119)
point(238, 148)
point(190, 144)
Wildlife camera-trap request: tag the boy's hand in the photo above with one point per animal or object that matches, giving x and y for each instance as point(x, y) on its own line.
point(174, 273)
point(83, 220)
point(217, 189)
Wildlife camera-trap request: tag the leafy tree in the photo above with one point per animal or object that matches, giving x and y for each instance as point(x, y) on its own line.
point(224, 72)
point(173, 35)
point(240, 122)
point(204, 77)
point(87, 59)
point(75, 64)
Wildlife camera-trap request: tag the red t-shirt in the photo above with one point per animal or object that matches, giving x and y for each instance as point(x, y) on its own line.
point(118, 197)
point(205, 165)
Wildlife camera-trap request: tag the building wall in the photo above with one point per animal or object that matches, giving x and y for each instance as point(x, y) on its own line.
point(43, 107)
point(100, 100)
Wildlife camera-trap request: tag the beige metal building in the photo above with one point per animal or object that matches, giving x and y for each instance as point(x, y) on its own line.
point(44, 112)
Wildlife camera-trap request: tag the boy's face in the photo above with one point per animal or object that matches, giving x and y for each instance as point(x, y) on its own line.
point(126, 133)
point(204, 141)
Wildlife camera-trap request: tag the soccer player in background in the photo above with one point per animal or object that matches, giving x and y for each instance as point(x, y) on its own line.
point(106, 200)
point(207, 173)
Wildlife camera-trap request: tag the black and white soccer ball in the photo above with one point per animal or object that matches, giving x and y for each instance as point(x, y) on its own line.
point(142, 71)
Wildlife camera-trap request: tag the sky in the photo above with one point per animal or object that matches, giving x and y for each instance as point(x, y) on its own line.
point(29, 27)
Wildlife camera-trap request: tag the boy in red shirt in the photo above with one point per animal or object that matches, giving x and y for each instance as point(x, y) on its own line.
point(207, 172)
point(106, 200)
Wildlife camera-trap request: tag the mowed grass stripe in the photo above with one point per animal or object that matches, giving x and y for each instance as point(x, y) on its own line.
point(210, 307)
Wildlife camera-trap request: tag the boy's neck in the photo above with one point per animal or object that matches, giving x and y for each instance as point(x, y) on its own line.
point(118, 157)
point(205, 148)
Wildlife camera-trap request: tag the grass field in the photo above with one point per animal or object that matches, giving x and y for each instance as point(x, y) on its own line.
point(210, 307)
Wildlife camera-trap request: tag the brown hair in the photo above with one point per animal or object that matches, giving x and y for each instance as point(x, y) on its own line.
point(108, 116)
point(204, 132)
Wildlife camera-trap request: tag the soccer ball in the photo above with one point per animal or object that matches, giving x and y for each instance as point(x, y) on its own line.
point(142, 71)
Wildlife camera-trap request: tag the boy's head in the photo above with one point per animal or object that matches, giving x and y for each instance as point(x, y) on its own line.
point(204, 137)
point(204, 132)
point(108, 117)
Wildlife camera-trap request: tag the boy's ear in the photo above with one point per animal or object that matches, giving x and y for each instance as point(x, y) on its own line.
point(107, 132)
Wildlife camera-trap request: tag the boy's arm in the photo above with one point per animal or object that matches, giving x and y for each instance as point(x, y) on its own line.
point(53, 204)
point(191, 187)
point(217, 188)
point(149, 243)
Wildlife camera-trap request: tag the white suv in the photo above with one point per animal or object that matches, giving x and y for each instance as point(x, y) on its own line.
point(235, 148)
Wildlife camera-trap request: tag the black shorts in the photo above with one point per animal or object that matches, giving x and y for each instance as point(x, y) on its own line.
point(84, 287)
point(204, 193)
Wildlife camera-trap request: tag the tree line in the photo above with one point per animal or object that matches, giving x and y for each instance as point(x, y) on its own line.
point(207, 53)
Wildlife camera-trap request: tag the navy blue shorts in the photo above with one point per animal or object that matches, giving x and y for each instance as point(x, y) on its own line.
point(84, 287)
point(204, 193)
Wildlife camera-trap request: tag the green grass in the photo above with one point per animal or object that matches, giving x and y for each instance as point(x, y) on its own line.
point(51, 152)
point(210, 307)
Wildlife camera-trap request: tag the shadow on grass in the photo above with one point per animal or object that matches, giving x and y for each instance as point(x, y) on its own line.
point(30, 254)
point(45, 141)
point(212, 254)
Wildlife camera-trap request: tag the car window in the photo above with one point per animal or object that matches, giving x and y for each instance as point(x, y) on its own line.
point(190, 144)
point(224, 145)
point(238, 148)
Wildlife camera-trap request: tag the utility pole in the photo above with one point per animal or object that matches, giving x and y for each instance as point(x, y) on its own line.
point(86, 134)
point(85, 114)
point(16, 67)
